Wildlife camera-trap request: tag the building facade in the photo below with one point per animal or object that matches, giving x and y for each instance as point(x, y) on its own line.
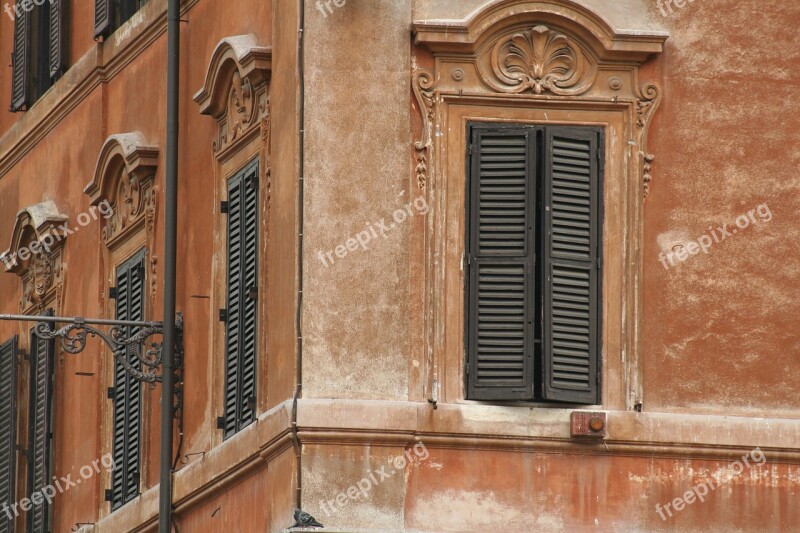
point(443, 266)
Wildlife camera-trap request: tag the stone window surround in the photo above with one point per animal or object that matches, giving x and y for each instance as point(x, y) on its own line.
point(534, 62)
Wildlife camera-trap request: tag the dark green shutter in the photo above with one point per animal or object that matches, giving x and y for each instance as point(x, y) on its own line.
point(58, 38)
point(21, 62)
point(571, 324)
point(501, 257)
point(8, 429)
point(102, 17)
point(40, 427)
point(242, 309)
point(130, 294)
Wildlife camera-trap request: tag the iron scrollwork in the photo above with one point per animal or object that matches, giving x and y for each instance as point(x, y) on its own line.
point(126, 347)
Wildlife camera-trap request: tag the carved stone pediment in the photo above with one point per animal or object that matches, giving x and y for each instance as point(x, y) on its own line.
point(235, 91)
point(124, 186)
point(35, 255)
point(545, 51)
point(123, 180)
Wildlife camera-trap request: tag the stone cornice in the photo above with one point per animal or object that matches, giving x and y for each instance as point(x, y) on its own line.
point(466, 426)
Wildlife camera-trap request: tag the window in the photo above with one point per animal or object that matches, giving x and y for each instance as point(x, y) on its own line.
point(533, 263)
point(240, 316)
point(8, 429)
point(111, 14)
point(39, 56)
point(126, 394)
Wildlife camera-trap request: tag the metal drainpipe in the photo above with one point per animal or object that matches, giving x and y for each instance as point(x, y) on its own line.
point(299, 315)
point(170, 253)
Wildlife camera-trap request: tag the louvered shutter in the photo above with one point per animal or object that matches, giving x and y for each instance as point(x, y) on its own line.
point(57, 38)
point(102, 17)
point(127, 390)
point(501, 245)
point(571, 314)
point(242, 283)
point(8, 428)
point(40, 427)
point(21, 62)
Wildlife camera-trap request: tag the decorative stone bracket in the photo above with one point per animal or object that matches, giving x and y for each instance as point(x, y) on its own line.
point(235, 91)
point(35, 255)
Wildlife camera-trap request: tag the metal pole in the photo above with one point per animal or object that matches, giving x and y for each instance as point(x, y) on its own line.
point(170, 252)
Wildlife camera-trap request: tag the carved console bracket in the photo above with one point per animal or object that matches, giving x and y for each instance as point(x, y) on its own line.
point(123, 187)
point(35, 255)
point(235, 91)
point(541, 50)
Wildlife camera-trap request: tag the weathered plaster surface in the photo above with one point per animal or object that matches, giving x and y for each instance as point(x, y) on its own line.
point(355, 322)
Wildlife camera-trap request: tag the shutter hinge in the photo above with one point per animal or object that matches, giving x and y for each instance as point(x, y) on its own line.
point(251, 403)
point(139, 270)
point(469, 149)
point(220, 422)
point(23, 356)
point(112, 293)
point(223, 315)
point(110, 392)
point(21, 449)
point(252, 293)
point(252, 181)
point(109, 495)
point(223, 206)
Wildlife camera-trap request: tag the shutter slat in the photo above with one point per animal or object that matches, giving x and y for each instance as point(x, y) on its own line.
point(241, 326)
point(58, 38)
point(8, 428)
point(40, 427)
point(20, 61)
point(501, 283)
point(127, 390)
point(234, 306)
point(571, 277)
point(102, 18)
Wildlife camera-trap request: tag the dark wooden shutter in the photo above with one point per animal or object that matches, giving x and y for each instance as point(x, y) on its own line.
point(130, 293)
point(21, 62)
point(40, 427)
point(57, 38)
point(500, 257)
point(571, 310)
point(8, 429)
point(242, 310)
point(102, 17)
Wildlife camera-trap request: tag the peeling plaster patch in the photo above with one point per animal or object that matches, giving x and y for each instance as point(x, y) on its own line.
point(668, 240)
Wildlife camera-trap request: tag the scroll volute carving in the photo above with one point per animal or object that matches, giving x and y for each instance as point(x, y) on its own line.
point(35, 255)
point(235, 91)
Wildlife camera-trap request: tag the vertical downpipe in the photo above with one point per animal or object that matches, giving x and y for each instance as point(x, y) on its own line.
point(170, 252)
point(299, 316)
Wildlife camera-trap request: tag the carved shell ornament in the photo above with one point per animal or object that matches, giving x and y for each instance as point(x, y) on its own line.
point(540, 60)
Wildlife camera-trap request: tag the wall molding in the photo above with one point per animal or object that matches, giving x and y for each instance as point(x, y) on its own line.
point(99, 65)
